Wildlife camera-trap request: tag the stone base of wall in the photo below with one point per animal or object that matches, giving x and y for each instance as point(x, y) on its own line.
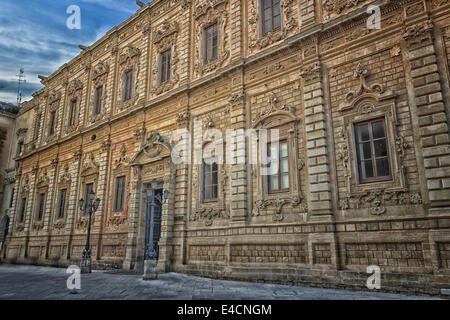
point(426, 284)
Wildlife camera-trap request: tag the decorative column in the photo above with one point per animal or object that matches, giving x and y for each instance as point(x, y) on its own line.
point(316, 138)
point(429, 113)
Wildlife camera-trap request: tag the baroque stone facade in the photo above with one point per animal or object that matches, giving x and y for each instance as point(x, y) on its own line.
point(318, 77)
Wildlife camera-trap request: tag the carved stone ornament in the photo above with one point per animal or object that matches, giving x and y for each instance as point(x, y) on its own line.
point(213, 12)
point(274, 108)
point(90, 166)
point(288, 24)
point(123, 159)
point(236, 99)
point(278, 204)
point(25, 189)
point(208, 215)
point(116, 222)
point(65, 177)
point(54, 96)
point(376, 91)
point(152, 147)
point(311, 72)
point(164, 39)
point(183, 118)
point(336, 7)
point(43, 180)
point(419, 33)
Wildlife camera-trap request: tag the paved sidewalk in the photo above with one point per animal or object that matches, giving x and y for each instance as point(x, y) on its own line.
point(43, 283)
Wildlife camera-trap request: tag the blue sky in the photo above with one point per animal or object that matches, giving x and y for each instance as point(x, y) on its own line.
point(34, 35)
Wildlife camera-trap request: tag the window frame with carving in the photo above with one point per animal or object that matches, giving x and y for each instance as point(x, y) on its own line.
point(129, 61)
point(372, 102)
point(205, 17)
point(277, 115)
point(164, 39)
point(99, 80)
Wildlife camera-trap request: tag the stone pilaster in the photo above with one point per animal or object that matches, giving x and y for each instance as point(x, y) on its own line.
point(307, 13)
point(49, 205)
point(167, 224)
point(316, 138)
point(101, 186)
point(74, 170)
point(16, 203)
point(236, 29)
point(237, 148)
point(430, 112)
point(29, 211)
point(134, 218)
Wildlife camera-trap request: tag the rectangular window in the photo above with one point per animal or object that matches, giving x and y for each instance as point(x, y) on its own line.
point(372, 151)
point(62, 203)
point(11, 199)
point(120, 194)
point(71, 117)
point(37, 127)
point(210, 182)
point(51, 123)
point(279, 182)
point(272, 15)
point(165, 66)
point(23, 207)
point(98, 100)
point(128, 85)
point(211, 43)
point(88, 189)
point(41, 203)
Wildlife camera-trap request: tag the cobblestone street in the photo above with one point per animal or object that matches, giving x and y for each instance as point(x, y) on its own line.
point(44, 283)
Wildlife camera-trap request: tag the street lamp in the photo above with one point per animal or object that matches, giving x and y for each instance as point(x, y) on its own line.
point(91, 206)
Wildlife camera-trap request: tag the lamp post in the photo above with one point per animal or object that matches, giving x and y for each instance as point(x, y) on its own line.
point(91, 206)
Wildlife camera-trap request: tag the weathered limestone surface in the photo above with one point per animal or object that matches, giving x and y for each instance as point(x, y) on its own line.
point(314, 79)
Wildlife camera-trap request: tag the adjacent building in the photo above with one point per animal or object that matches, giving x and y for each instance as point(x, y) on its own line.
point(360, 99)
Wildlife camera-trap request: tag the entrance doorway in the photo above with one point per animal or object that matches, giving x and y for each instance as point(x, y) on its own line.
point(154, 194)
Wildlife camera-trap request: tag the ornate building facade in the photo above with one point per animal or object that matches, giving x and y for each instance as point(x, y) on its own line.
point(363, 116)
